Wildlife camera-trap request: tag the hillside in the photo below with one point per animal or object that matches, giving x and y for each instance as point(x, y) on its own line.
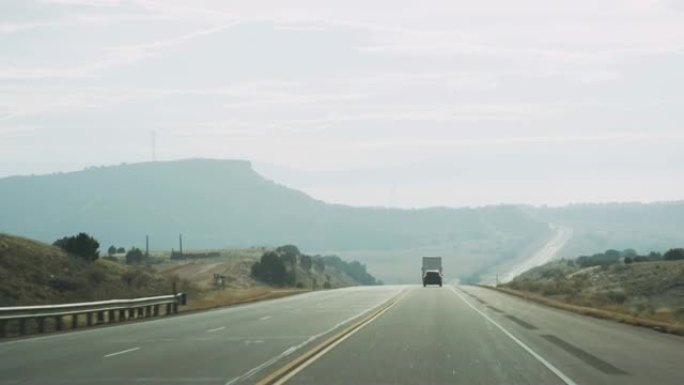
point(651, 289)
point(236, 265)
point(33, 273)
point(225, 204)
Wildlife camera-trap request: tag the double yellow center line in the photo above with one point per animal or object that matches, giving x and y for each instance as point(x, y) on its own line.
point(289, 370)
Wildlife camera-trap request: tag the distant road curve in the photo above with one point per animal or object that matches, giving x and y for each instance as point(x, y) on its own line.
point(546, 253)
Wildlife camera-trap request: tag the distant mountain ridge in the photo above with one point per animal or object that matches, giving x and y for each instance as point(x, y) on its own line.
point(224, 203)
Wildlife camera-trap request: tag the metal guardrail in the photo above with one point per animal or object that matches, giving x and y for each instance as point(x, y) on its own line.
point(100, 312)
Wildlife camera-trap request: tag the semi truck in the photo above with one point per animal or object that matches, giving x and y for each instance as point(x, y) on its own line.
point(432, 271)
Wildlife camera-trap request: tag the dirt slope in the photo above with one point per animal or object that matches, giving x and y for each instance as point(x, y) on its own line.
point(33, 273)
point(652, 290)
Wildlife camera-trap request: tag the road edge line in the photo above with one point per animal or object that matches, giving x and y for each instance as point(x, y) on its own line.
point(290, 369)
point(510, 335)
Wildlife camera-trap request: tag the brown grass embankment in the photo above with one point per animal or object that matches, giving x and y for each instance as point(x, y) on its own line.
point(223, 298)
point(664, 324)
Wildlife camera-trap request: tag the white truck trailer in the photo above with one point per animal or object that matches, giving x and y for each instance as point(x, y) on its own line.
point(432, 271)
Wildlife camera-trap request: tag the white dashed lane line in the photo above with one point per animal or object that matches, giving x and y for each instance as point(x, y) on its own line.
point(122, 352)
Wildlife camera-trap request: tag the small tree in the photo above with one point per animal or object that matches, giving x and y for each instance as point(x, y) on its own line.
point(111, 250)
point(120, 250)
point(631, 253)
point(134, 256)
point(270, 269)
point(655, 256)
point(305, 262)
point(82, 245)
point(318, 264)
point(288, 249)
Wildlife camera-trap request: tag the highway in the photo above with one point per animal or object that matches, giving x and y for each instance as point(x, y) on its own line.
point(448, 335)
point(546, 253)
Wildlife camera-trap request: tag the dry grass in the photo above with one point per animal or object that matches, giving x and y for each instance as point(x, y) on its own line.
point(222, 298)
point(665, 320)
point(33, 273)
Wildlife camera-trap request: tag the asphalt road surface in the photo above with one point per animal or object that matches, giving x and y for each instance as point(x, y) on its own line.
point(448, 335)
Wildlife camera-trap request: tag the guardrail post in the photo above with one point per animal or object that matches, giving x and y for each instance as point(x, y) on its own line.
point(100, 317)
point(22, 326)
point(155, 311)
point(89, 317)
point(122, 315)
point(141, 313)
point(168, 308)
point(131, 313)
point(148, 311)
point(74, 321)
point(59, 324)
point(111, 317)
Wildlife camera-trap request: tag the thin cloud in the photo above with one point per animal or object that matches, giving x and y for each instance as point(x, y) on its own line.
point(114, 56)
point(441, 143)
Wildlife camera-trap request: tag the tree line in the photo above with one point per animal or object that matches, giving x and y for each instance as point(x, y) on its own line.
point(612, 256)
point(279, 267)
point(87, 247)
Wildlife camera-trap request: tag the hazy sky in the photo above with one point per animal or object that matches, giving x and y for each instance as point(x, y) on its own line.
point(394, 103)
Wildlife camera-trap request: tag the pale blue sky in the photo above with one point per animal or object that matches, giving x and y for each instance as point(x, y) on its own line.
point(394, 103)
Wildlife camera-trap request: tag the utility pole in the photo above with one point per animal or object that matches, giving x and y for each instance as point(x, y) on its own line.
point(147, 245)
point(180, 241)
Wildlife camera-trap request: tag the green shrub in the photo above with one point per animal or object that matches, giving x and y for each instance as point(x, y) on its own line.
point(674, 254)
point(82, 245)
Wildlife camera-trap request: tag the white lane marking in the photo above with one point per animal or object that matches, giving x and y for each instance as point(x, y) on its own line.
point(186, 317)
point(534, 354)
point(122, 352)
point(293, 349)
point(216, 329)
point(264, 318)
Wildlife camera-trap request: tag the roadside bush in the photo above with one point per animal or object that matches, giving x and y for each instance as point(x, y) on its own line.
point(270, 269)
point(135, 278)
point(674, 254)
point(68, 283)
point(561, 287)
point(306, 262)
point(134, 256)
point(96, 275)
point(608, 298)
point(618, 297)
point(601, 259)
point(82, 245)
point(318, 264)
